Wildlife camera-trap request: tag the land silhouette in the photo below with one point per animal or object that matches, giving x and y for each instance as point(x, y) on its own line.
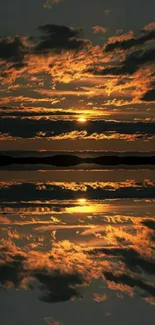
point(73, 160)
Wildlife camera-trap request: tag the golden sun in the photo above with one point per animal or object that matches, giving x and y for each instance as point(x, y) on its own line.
point(82, 120)
point(82, 200)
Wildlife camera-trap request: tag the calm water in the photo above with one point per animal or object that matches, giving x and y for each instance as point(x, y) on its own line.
point(77, 240)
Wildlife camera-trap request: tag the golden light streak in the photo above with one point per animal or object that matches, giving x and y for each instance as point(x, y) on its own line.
point(86, 206)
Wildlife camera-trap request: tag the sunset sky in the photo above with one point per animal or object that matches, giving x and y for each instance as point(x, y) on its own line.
point(81, 72)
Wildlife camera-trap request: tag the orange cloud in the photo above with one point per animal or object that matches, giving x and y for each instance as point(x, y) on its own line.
point(99, 29)
point(150, 27)
point(100, 297)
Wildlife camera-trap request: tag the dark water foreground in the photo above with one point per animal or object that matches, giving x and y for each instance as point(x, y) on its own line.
point(76, 241)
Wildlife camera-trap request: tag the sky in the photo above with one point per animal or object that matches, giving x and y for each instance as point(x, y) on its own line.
point(77, 244)
point(77, 76)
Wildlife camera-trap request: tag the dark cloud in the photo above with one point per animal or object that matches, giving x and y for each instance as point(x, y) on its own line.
point(10, 271)
point(58, 38)
point(54, 38)
point(57, 287)
point(57, 30)
point(129, 66)
point(129, 43)
point(30, 192)
point(54, 286)
point(12, 50)
point(131, 282)
point(149, 96)
point(132, 259)
point(28, 128)
point(149, 223)
point(116, 70)
point(5, 111)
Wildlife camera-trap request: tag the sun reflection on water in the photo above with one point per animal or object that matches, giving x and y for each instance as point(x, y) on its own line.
point(83, 205)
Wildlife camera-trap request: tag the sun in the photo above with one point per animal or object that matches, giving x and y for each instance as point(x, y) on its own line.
point(82, 200)
point(82, 120)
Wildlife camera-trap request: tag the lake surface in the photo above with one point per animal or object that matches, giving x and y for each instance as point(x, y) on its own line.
point(77, 247)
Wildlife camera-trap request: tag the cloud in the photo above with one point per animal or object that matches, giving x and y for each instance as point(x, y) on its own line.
point(12, 50)
point(31, 192)
point(100, 297)
point(133, 260)
point(62, 55)
point(119, 31)
point(149, 96)
point(99, 29)
point(57, 287)
point(13, 53)
point(132, 63)
point(10, 272)
point(79, 135)
point(48, 227)
point(127, 41)
point(34, 127)
point(149, 223)
point(150, 27)
point(131, 282)
point(4, 220)
point(58, 38)
point(54, 286)
point(117, 248)
point(49, 3)
point(20, 55)
point(150, 300)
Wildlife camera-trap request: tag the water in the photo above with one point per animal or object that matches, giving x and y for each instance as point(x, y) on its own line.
point(80, 241)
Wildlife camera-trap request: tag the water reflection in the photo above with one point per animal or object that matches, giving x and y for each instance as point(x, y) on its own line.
point(71, 243)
